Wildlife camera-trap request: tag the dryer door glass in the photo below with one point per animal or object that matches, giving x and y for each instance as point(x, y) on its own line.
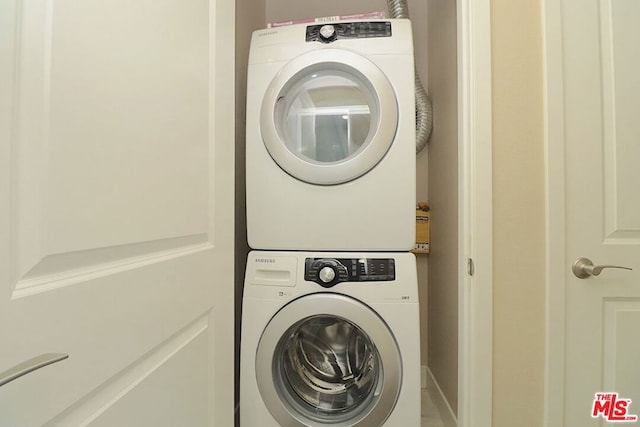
point(326, 116)
point(328, 367)
point(329, 117)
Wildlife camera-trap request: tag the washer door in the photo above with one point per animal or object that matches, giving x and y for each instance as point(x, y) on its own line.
point(328, 359)
point(329, 116)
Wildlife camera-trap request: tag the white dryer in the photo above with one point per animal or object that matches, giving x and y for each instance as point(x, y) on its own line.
point(330, 339)
point(330, 143)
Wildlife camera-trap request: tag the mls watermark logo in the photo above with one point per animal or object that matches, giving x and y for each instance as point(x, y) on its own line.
point(612, 408)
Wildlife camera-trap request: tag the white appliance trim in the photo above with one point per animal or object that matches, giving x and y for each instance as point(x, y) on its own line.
point(333, 305)
point(372, 151)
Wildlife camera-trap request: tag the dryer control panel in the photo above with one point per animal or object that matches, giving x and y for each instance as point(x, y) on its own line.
point(328, 272)
point(326, 33)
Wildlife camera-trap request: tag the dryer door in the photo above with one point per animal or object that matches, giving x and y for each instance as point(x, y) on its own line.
point(328, 359)
point(329, 116)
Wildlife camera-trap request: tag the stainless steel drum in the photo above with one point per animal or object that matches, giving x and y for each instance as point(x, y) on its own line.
point(329, 363)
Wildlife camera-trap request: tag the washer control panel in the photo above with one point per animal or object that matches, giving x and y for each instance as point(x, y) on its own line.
point(327, 33)
point(328, 272)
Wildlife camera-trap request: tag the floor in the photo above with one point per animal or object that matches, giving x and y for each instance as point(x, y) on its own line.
point(430, 414)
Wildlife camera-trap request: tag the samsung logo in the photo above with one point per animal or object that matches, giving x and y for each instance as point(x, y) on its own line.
point(268, 33)
point(265, 260)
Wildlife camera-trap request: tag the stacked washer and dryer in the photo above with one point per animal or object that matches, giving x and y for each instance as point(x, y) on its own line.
point(330, 329)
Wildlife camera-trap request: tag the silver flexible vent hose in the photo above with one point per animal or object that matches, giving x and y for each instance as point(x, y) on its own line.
point(424, 109)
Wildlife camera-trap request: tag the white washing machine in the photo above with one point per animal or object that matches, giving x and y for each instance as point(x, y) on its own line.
point(330, 339)
point(330, 143)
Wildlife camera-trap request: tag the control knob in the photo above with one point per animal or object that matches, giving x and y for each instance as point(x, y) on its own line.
point(328, 33)
point(327, 274)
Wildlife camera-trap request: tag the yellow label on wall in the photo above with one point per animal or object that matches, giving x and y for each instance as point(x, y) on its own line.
point(422, 229)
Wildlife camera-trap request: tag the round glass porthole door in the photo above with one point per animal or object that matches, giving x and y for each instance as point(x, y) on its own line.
point(336, 366)
point(328, 367)
point(329, 117)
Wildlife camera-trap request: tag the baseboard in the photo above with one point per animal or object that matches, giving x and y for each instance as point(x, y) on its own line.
point(448, 416)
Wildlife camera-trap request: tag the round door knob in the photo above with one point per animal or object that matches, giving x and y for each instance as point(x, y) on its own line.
point(327, 274)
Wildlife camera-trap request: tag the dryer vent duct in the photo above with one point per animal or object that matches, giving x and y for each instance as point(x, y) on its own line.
point(424, 109)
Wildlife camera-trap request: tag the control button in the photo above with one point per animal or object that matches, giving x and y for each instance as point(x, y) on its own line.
point(327, 274)
point(328, 33)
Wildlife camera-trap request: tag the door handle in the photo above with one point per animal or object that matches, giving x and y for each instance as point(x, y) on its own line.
point(583, 268)
point(30, 365)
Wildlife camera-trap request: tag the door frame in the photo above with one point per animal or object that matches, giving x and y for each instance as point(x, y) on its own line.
point(475, 233)
point(554, 156)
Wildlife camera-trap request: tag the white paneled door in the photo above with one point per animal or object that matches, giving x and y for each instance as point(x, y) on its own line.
point(601, 91)
point(116, 211)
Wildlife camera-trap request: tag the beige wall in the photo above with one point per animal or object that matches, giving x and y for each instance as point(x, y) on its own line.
point(442, 306)
point(249, 17)
point(518, 207)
